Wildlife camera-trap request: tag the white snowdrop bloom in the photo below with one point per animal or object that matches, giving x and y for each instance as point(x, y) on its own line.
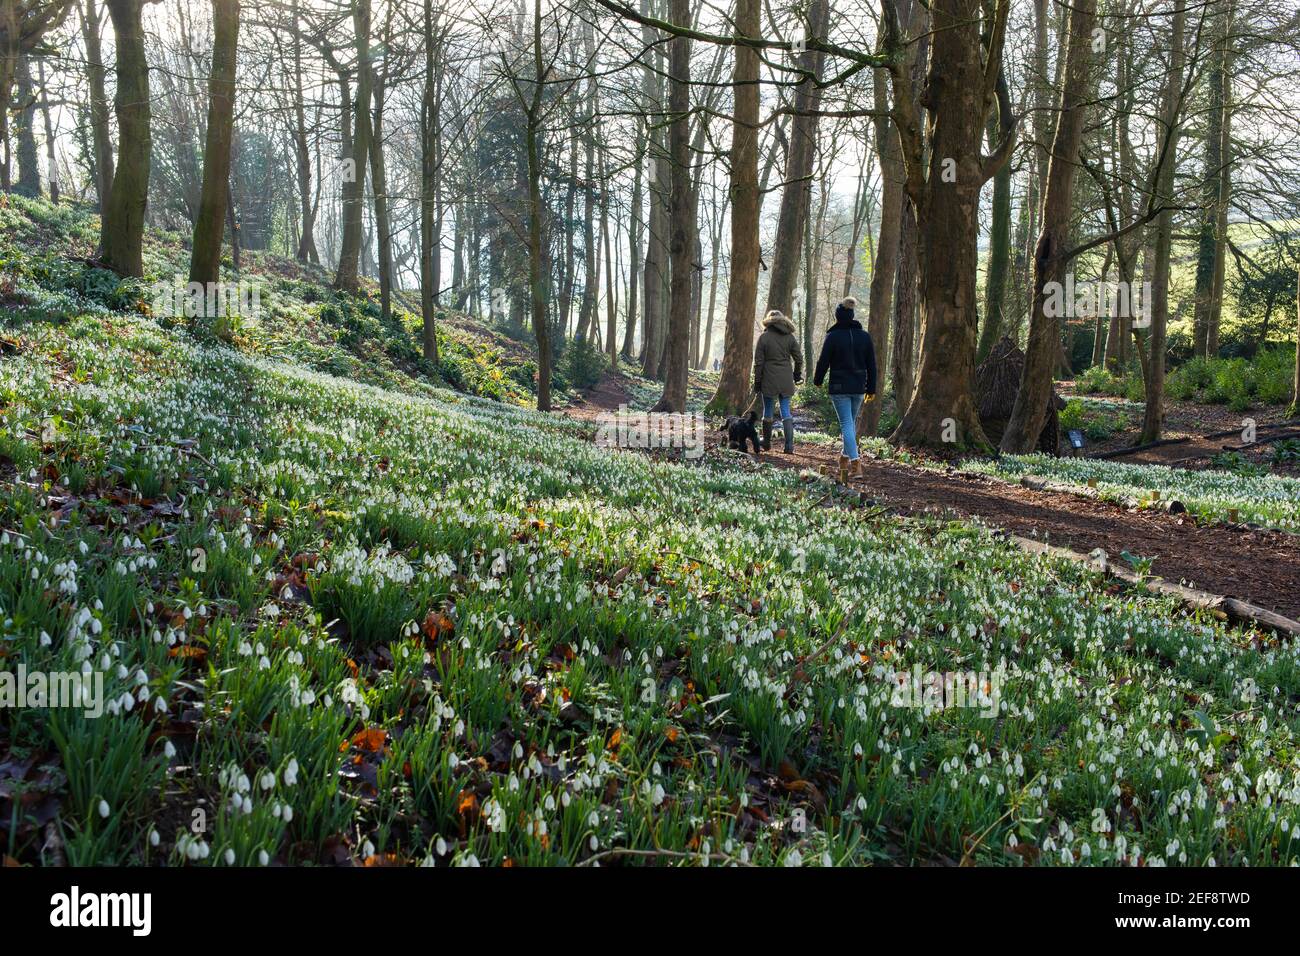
point(169, 749)
point(154, 838)
point(103, 809)
point(268, 780)
point(291, 772)
point(229, 857)
point(793, 858)
point(263, 858)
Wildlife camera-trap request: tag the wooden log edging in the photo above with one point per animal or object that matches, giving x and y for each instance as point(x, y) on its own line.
point(1230, 607)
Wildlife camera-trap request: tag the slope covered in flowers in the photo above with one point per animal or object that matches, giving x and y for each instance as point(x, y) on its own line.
point(342, 623)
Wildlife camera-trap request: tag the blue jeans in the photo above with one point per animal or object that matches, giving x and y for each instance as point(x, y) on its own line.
point(769, 405)
point(847, 408)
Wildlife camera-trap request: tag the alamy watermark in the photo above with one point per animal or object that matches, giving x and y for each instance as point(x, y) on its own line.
point(940, 690)
point(629, 429)
point(24, 688)
point(205, 300)
point(1071, 299)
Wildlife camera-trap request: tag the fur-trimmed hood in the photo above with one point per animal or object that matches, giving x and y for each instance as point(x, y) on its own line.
point(777, 320)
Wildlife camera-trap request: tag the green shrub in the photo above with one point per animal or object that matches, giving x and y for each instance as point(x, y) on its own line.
point(1097, 380)
point(582, 364)
point(1187, 381)
point(1236, 381)
point(1097, 423)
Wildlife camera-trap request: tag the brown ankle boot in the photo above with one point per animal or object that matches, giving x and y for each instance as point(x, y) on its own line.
point(844, 468)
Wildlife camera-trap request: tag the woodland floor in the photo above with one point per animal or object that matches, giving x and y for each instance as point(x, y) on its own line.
point(1250, 564)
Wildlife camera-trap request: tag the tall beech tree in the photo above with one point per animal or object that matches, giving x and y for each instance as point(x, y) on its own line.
point(205, 257)
point(944, 183)
point(1151, 345)
point(348, 275)
point(1052, 257)
point(681, 221)
point(733, 392)
point(121, 238)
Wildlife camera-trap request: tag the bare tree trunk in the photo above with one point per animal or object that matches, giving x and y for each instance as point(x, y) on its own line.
point(961, 88)
point(611, 299)
point(1100, 322)
point(904, 364)
point(538, 281)
point(122, 225)
point(717, 213)
point(210, 226)
point(892, 191)
point(306, 251)
point(1052, 258)
point(587, 316)
point(657, 262)
point(430, 134)
point(379, 183)
point(51, 159)
point(733, 392)
point(681, 217)
point(103, 146)
point(634, 228)
point(999, 258)
point(1121, 327)
point(1154, 364)
point(348, 276)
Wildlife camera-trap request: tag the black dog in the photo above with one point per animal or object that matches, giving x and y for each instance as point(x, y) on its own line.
point(741, 430)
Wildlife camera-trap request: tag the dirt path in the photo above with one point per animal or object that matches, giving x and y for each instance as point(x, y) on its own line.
point(1262, 567)
point(605, 397)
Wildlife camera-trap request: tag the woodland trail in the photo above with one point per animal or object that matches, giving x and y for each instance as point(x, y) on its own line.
point(1251, 564)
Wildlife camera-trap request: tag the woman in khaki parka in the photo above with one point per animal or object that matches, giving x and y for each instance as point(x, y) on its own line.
point(778, 368)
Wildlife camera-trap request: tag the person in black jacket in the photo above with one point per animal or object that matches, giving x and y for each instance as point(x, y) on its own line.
point(850, 357)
